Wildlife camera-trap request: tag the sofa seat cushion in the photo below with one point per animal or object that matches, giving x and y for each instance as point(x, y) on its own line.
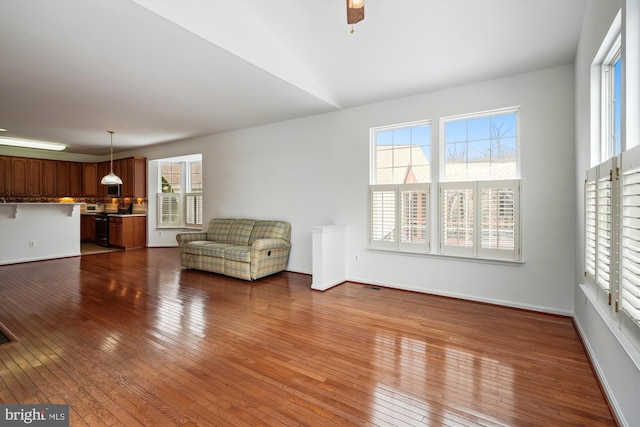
point(237, 253)
point(206, 248)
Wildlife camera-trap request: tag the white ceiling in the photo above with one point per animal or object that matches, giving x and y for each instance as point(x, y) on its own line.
point(155, 71)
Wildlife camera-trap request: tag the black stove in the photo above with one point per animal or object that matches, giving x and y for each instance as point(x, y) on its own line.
point(102, 229)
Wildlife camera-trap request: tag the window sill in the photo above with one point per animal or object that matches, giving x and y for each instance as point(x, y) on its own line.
point(625, 343)
point(178, 227)
point(512, 263)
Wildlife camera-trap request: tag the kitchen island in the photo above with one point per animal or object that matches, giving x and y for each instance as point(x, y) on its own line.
point(38, 231)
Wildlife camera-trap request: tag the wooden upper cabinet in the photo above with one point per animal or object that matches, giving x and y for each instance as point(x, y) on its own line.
point(103, 169)
point(75, 179)
point(90, 179)
point(50, 178)
point(5, 176)
point(133, 173)
point(35, 177)
point(64, 190)
point(140, 177)
point(27, 177)
point(20, 177)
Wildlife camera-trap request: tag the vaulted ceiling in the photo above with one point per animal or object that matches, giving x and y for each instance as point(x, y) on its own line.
point(156, 71)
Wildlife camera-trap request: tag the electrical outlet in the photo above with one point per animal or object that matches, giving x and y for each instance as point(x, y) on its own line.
point(356, 258)
point(32, 243)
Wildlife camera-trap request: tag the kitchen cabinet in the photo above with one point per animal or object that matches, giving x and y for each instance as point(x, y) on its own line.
point(133, 172)
point(103, 169)
point(5, 176)
point(90, 179)
point(50, 178)
point(29, 177)
point(75, 179)
point(35, 177)
point(129, 232)
point(88, 228)
point(19, 177)
point(26, 177)
point(62, 178)
point(137, 174)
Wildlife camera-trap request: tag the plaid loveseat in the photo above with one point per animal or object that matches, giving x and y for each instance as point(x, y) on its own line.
point(243, 248)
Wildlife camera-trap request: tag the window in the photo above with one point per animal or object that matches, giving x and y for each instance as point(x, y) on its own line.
point(611, 101)
point(480, 190)
point(179, 201)
point(399, 191)
point(478, 208)
point(612, 238)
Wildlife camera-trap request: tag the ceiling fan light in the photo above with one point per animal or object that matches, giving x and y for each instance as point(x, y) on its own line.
point(355, 11)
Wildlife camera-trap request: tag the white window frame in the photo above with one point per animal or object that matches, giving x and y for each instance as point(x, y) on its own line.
point(387, 225)
point(168, 200)
point(189, 204)
point(470, 116)
point(395, 223)
point(609, 100)
point(473, 248)
point(471, 224)
point(193, 210)
point(391, 228)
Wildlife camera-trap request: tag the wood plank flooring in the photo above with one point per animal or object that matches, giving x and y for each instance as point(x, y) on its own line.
point(130, 339)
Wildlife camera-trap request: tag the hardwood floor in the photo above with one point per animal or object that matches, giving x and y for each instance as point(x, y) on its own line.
point(131, 339)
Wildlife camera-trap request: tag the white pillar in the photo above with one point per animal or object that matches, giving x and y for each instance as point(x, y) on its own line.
point(329, 256)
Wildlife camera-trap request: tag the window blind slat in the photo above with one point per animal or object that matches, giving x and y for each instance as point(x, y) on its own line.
point(630, 244)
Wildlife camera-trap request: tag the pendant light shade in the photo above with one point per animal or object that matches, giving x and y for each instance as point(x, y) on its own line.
point(111, 178)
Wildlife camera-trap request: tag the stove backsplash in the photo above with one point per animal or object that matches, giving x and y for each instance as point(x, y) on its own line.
point(137, 205)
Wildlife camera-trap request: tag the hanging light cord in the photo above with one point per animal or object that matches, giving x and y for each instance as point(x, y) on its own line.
point(111, 165)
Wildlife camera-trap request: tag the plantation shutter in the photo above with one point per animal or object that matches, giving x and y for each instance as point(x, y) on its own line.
point(499, 206)
point(169, 210)
point(591, 219)
point(413, 217)
point(604, 231)
point(457, 213)
point(193, 207)
point(383, 217)
point(629, 295)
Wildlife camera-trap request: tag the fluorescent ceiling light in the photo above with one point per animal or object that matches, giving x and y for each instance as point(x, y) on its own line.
point(28, 143)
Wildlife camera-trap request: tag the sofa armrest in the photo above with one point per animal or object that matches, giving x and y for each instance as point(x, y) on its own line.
point(268, 256)
point(269, 244)
point(190, 237)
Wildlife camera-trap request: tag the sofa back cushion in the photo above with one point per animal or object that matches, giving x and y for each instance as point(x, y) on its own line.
point(270, 230)
point(240, 232)
point(231, 231)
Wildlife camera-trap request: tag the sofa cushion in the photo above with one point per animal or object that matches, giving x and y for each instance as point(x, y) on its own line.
point(270, 230)
point(219, 229)
point(238, 253)
point(240, 232)
point(205, 248)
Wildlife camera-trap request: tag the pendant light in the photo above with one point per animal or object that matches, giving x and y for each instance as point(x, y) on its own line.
point(111, 178)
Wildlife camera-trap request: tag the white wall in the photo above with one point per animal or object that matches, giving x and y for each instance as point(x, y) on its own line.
point(315, 171)
point(615, 360)
point(54, 229)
